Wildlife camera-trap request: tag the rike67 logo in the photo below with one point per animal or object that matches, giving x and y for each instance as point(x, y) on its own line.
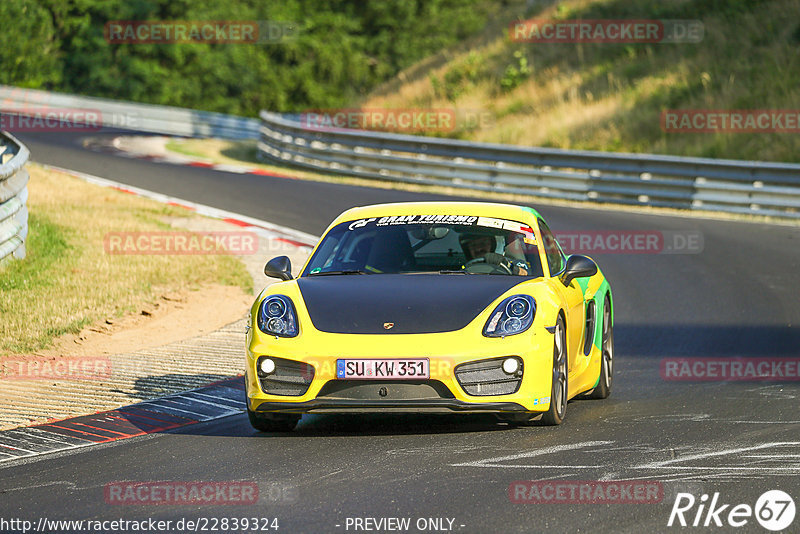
point(774, 510)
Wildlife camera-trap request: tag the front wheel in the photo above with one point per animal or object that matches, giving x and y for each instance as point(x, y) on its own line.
point(558, 391)
point(264, 422)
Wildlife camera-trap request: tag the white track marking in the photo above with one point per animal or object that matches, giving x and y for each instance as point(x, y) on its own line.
point(45, 436)
point(232, 168)
point(215, 405)
point(168, 406)
point(767, 422)
point(666, 463)
point(492, 462)
point(723, 468)
point(14, 447)
point(771, 457)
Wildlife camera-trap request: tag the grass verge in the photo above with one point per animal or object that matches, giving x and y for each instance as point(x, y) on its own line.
point(68, 281)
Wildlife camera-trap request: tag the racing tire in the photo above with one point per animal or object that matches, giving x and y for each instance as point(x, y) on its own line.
point(264, 422)
point(606, 378)
point(559, 388)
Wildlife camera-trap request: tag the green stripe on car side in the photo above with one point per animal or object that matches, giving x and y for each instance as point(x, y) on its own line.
point(599, 295)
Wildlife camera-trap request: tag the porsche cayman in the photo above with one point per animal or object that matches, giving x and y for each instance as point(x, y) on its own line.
point(466, 307)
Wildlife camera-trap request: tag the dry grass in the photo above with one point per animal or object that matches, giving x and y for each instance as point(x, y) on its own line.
point(610, 96)
point(68, 281)
point(218, 150)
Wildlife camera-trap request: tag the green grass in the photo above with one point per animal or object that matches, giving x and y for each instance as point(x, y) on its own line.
point(47, 244)
point(68, 281)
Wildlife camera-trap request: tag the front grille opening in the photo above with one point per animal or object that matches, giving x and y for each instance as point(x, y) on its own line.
point(487, 377)
point(590, 323)
point(290, 377)
point(385, 390)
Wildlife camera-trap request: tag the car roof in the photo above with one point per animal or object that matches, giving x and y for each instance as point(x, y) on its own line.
point(481, 209)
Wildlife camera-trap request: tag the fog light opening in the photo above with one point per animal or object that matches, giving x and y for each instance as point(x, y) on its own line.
point(510, 366)
point(267, 366)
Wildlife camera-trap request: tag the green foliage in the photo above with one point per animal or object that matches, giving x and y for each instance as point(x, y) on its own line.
point(610, 96)
point(459, 77)
point(515, 74)
point(342, 50)
point(28, 54)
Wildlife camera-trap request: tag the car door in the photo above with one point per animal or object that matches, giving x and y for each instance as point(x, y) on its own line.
point(572, 296)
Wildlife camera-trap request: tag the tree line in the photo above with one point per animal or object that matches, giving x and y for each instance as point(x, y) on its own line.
point(340, 50)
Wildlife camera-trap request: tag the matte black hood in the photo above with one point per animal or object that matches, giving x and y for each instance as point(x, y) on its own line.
point(415, 303)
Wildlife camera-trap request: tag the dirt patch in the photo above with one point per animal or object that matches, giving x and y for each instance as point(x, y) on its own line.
point(172, 317)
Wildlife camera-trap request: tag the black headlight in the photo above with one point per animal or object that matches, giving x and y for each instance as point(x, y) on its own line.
point(512, 316)
point(277, 317)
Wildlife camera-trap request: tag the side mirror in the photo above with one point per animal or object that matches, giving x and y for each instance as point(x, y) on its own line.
point(280, 267)
point(578, 267)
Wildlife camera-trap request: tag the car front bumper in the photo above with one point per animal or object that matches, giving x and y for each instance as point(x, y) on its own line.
point(389, 406)
point(442, 393)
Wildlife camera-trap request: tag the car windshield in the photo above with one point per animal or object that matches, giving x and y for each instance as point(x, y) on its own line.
point(446, 244)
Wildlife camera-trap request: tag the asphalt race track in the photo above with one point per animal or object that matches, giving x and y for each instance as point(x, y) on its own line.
point(736, 298)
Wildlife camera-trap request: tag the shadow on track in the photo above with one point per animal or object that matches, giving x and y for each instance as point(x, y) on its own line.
point(357, 425)
point(707, 340)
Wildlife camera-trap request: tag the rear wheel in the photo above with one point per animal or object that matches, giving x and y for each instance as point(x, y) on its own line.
point(558, 391)
point(270, 422)
point(603, 388)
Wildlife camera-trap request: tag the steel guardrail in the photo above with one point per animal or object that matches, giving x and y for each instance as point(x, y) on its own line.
point(732, 186)
point(128, 115)
point(13, 196)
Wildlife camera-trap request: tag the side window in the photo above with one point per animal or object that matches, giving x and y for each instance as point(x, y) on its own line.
point(555, 258)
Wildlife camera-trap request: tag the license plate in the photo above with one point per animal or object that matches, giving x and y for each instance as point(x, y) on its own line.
point(383, 369)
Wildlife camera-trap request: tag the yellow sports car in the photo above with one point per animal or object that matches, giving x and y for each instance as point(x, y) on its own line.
point(430, 307)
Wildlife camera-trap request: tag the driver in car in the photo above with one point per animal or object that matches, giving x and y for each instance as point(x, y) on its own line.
point(481, 246)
